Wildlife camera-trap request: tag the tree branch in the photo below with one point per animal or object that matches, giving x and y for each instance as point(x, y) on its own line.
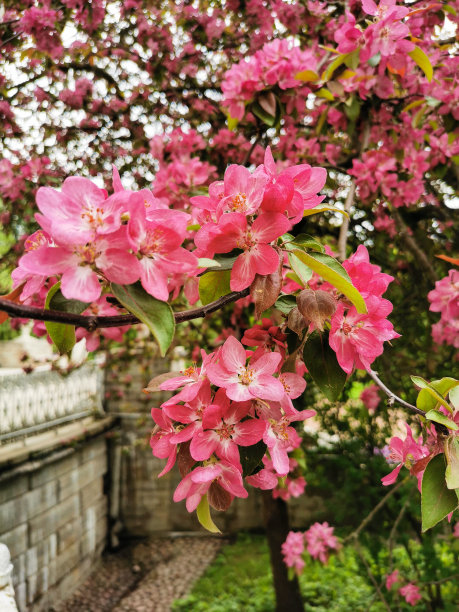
point(391, 394)
point(94, 322)
point(413, 246)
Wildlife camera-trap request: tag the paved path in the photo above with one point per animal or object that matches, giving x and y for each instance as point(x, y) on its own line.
point(144, 577)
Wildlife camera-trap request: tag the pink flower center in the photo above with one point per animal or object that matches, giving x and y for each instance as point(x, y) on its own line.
point(246, 376)
point(238, 203)
point(94, 216)
point(246, 242)
point(153, 242)
point(280, 428)
point(347, 329)
point(87, 253)
point(225, 432)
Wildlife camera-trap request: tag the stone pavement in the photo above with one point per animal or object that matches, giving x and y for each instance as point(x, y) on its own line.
point(145, 576)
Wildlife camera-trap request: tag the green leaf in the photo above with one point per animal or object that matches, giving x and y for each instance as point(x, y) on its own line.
point(336, 63)
point(375, 59)
point(156, 315)
point(205, 262)
point(285, 303)
point(352, 59)
point(325, 93)
point(454, 397)
point(213, 285)
point(427, 401)
point(303, 272)
point(226, 260)
point(333, 272)
point(452, 461)
point(438, 417)
point(422, 60)
point(352, 108)
point(307, 76)
point(437, 501)
point(251, 457)
point(203, 514)
point(62, 335)
point(232, 123)
point(320, 359)
point(321, 209)
point(423, 384)
point(306, 242)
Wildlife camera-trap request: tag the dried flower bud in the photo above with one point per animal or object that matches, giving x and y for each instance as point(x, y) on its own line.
point(219, 498)
point(316, 306)
point(268, 103)
point(296, 322)
point(184, 459)
point(265, 290)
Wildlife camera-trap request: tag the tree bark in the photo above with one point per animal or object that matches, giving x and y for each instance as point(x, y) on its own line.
point(275, 514)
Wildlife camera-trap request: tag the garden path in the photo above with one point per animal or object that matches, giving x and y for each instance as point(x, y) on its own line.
point(144, 576)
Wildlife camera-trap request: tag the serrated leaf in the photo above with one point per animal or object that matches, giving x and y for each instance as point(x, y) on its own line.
point(438, 417)
point(421, 401)
point(203, 514)
point(251, 457)
point(62, 335)
point(285, 303)
point(303, 272)
point(423, 61)
point(320, 359)
point(213, 285)
point(156, 315)
point(333, 272)
point(307, 76)
point(437, 501)
point(452, 461)
point(321, 209)
point(306, 242)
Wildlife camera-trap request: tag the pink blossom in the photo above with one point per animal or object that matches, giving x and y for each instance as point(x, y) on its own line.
point(292, 550)
point(391, 579)
point(357, 338)
point(411, 593)
point(243, 382)
point(404, 452)
point(320, 539)
point(198, 482)
point(371, 398)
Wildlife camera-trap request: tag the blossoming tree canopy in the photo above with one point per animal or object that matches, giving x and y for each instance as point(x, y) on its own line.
point(357, 101)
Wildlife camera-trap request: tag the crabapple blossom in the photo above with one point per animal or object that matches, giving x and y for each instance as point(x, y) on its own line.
point(320, 539)
point(406, 452)
point(411, 593)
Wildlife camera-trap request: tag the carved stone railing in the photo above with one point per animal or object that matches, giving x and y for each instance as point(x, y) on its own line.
point(30, 403)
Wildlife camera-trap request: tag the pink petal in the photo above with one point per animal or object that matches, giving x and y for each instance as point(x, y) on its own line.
point(80, 283)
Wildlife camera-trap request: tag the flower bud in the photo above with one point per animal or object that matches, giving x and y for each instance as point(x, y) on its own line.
point(296, 322)
point(316, 306)
point(265, 290)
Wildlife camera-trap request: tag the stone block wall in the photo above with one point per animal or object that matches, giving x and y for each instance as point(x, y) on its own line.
point(53, 518)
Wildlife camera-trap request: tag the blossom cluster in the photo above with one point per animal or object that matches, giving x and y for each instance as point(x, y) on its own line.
point(318, 540)
point(409, 591)
point(445, 300)
point(236, 398)
point(276, 63)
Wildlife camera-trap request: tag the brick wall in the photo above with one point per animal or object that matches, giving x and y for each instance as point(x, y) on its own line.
point(53, 518)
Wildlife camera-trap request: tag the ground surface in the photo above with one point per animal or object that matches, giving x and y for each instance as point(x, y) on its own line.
point(145, 576)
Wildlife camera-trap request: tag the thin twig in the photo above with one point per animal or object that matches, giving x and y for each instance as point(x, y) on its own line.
point(391, 394)
point(94, 322)
point(343, 230)
point(371, 577)
point(355, 534)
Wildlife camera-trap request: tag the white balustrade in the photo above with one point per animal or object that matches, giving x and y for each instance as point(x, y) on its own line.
point(30, 403)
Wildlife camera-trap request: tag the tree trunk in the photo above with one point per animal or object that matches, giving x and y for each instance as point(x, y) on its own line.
point(288, 596)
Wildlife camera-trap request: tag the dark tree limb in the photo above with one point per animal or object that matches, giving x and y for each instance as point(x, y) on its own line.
point(94, 322)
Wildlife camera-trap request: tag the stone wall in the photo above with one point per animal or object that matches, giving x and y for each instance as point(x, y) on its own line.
point(53, 518)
